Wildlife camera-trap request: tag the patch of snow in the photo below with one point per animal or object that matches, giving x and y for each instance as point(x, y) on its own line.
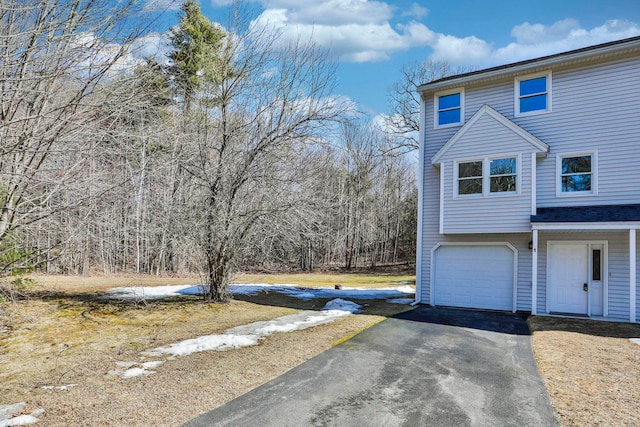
point(403, 282)
point(7, 411)
point(204, 343)
point(152, 364)
point(7, 419)
point(58, 387)
point(401, 300)
point(238, 337)
point(292, 322)
point(635, 340)
point(21, 420)
point(344, 305)
point(151, 292)
point(136, 372)
point(129, 371)
point(323, 292)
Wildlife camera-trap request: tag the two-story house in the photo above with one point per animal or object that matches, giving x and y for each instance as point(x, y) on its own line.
point(529, 188)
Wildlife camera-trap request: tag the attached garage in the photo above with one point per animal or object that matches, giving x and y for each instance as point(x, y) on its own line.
point(474, 276)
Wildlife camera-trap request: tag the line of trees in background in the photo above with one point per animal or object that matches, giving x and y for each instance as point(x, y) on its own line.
point(235, 154)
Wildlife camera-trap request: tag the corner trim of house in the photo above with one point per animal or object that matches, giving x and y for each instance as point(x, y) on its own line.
point(632, 276)
point(419, 231)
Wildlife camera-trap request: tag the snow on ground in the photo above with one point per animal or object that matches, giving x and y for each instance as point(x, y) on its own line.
point(58, 387)
point(344, 305)
point(150, 292)
point(7, 413)
point(248, 335)
point(204, 343)
point(238, 337)
point(635, 340)
point(153, 292)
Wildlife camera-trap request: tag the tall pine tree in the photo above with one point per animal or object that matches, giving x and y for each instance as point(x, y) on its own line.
point(197, 43)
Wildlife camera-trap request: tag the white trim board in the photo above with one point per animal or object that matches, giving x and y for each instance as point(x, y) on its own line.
point(419, 235)
point(584, 226)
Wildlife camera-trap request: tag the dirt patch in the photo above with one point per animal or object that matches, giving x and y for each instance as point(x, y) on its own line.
point(67, 336)
point(590, 369)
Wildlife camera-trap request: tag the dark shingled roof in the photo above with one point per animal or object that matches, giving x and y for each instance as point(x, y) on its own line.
point(602, 213)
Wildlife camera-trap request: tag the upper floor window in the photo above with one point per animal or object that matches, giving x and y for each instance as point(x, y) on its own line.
point(488, 176)
point(576, 173)
point(449, 108)
point(533, 94)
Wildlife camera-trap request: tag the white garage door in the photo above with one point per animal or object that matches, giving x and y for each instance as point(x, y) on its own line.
point(474, 276)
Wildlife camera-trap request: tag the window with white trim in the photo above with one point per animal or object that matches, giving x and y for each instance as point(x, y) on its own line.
point(503, 175)
point(487, 176)
point(576, 173)
point(533, 94)
point(470, 178)
point(449, 108)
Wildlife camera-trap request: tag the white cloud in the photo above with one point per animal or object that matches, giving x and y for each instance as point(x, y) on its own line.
point(532, 41)
point(353, 42)
point(337, 12)
point(361, 31)
point(354, 30)
point(537, 33)
point(152, 45)
point(416, 11)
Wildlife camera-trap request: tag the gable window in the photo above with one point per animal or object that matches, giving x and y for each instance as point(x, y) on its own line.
point(576, 173)
point(488, 176)
point(533, 94)
point(449, 108)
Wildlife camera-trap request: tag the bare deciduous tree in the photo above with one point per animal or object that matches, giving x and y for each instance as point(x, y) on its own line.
point(53, 55)
point(403, 118)
point(267, 100)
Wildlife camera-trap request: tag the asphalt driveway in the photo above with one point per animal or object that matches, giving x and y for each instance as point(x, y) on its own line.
point(426, 367)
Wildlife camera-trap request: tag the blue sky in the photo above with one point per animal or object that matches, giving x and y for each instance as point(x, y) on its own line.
point(372, 39)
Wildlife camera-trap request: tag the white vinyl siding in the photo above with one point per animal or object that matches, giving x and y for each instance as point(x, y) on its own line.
point(595, 109)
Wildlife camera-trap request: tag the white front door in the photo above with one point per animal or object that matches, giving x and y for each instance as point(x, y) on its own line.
point(568, 277)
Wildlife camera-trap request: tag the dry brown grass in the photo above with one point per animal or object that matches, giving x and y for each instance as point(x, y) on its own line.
point(590, 369)
point(68, 337)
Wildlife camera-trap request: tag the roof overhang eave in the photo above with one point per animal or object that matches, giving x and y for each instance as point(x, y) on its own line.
point(585, 226)
point(504, 71)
